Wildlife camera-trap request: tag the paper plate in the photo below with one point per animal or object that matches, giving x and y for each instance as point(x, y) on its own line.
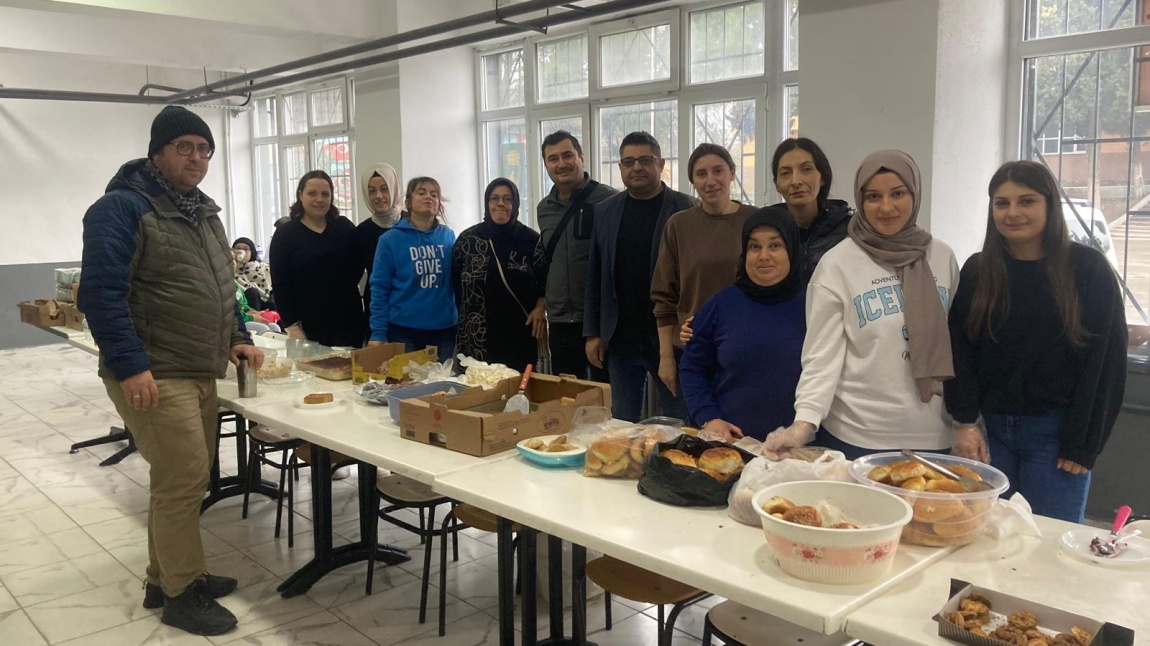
point(326, 406)
point(572, 458)
point(1076, 543)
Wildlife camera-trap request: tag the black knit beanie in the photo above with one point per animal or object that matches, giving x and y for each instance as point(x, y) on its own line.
point(177, 121)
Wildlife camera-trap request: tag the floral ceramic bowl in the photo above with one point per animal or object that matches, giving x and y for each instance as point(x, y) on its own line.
point(837, 556)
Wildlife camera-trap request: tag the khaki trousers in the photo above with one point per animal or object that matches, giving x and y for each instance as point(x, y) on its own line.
point(178, 439)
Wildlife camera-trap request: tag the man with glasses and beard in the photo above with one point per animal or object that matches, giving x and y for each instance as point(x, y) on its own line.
point(160, 299)
point(618, 320)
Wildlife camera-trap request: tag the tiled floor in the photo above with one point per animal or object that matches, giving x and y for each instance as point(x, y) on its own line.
point(73, 544)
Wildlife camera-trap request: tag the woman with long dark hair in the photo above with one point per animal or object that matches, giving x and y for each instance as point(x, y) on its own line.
point(1039, 338)
point(316, 268)
point(499, 272)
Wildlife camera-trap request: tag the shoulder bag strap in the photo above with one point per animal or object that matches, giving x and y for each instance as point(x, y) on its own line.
point(572, 208)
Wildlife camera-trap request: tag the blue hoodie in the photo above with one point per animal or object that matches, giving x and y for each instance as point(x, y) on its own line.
point(411, 279)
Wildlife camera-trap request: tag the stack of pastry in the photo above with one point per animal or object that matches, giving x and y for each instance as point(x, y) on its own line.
point(620, 453)
point(939, 520)
point(719, 462)
point(1020, 628)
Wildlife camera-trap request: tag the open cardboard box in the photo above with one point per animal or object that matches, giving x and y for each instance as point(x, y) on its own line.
point(72, 317)
point(473, 421)
point(41, 313)
point(1050, 620)
point(367, 364)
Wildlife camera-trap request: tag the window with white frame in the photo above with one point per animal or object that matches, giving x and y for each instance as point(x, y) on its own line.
point(604, 81)
point(1085, 103)
point(299, 130)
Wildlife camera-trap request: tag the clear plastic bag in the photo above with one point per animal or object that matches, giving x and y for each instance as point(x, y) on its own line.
point(481, 373)
point(616, 452)
point(761, 473)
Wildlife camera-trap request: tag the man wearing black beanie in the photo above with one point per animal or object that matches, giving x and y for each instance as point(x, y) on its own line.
point(159, 297)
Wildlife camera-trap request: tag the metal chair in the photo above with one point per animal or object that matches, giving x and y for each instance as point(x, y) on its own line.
point(635, 583)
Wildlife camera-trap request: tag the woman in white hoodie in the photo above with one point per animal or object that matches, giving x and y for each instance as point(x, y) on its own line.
point(877, 345)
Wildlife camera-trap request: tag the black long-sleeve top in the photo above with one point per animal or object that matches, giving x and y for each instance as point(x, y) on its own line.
point(1029, 366)
point(316, 278)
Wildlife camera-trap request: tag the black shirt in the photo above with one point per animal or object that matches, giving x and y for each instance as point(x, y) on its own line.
point(633, 270)
point(1029, 366)
point(316, 278)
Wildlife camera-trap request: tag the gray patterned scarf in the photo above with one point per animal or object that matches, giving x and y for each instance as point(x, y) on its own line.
point(187, 204)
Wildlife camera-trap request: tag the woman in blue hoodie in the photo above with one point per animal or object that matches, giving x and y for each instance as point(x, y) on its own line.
point(412, 300)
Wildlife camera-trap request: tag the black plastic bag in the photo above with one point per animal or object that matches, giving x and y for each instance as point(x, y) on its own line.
point(682, 486)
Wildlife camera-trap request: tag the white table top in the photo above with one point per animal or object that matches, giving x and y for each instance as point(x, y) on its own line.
point(365, 432)
point(700, 547)
point(1030, 568)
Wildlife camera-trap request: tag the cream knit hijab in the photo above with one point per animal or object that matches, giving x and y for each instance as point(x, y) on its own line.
point(387, 218)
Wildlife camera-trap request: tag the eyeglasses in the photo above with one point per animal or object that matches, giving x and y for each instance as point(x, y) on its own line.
point(185, 148)
point(628, 162)
point(501, 199)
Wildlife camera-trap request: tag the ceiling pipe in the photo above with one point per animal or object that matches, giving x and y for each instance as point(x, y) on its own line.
point(613, 6)
point(430, 31)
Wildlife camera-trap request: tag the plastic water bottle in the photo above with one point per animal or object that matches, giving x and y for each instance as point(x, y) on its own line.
point(87, 331)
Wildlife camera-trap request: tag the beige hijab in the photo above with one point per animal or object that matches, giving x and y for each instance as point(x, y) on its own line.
point(927, 333)
point(389, 217)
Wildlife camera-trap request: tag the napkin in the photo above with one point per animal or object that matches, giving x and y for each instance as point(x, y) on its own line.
point(1013, 516)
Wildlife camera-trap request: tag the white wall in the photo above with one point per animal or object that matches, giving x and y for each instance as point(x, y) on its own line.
point(924, 76)
point(866, 82)
point(969, 117)
point(58, 156)
point(378, 136)
point(437, 104)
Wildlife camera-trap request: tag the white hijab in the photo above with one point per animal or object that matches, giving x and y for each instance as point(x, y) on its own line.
point(389, 217)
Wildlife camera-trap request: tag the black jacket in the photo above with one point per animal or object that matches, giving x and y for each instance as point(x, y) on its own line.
point(828, 229)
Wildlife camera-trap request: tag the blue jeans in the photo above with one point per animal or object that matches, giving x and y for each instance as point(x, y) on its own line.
point(628, 370)
point(824, 439)
point(1025, 448)
point(417, 339)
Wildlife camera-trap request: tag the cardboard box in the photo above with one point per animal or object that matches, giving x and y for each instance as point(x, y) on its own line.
point(1050, 620)
point(72, 317)
point(473, 421)
point(367, 364)
point(41, 313)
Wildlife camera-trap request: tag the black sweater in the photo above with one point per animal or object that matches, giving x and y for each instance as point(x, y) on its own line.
point(316, 278)
point(1029, 367)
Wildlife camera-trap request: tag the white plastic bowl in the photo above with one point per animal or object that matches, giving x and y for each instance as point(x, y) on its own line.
point(836, 556)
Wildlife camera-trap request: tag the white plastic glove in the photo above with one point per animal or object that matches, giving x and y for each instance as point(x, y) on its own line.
point(969, 443)
point(782, 440)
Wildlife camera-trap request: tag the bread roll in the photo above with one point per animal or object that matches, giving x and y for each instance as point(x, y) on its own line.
point(905, 470)
point(616, 467)
point(777, 505)
point(721, 459)
point(944, 486)
point(917, 483)
point(678, 457)
point(719, 477)
point(960, 525)
point(318, 398)
point(642, 446)
point(933, 511)
point(804, 515)
point(610, 449)
point(880, 474)
point(965, 471)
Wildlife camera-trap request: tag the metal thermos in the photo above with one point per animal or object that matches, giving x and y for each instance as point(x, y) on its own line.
point(246, 378)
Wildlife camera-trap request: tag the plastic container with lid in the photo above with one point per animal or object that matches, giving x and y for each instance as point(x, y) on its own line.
point(940, 518)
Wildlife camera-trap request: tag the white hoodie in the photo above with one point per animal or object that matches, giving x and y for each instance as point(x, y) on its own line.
point(856, 377)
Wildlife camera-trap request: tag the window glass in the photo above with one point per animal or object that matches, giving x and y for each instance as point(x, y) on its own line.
point(727, 43)
point(638, 56)
point(660, 118)
point(561, 69)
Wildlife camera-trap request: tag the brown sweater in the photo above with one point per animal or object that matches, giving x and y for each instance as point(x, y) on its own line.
point(699, 255)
